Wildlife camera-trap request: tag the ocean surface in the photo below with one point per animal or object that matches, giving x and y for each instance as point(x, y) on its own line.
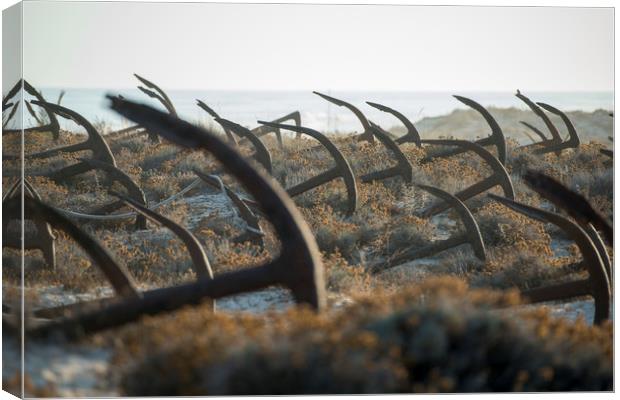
point(246, 108)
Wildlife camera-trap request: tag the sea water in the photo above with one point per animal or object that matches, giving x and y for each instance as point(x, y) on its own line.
point(247, 107)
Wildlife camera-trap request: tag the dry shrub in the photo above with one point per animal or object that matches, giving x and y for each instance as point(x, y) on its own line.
point(503, 227)
point(332, 232)
point(525, 272)
point(435, 337)
point(411, 233)
point(341, 277)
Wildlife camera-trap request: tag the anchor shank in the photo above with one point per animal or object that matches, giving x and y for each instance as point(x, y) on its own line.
point(313, 182)
point(422, 252)
point(379, 175)
point(107, 208)
point(52, 152)
point(463, 195)
point(158, 301)
point(558, 292)
point(458, 150)
point(71, 170)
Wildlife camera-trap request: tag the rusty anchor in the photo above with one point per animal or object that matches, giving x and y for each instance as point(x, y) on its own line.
point(53, 126)
point(254, 232)
point(573, 203)
point(496, 139)
point(499, 177)
point(471, 236)
point(403, 167)
point(412, 135)
point(35, 209)
point(261, 154)
point(596, 285)
point(555, 140)
point(367, 134)
point(342, 169)
point(573, 140)
point(262, 130)
point(41, 238)
point(114, 174)
point(95, 143)
point(216, 116)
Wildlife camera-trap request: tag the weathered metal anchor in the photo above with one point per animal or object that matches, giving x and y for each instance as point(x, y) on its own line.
point(536, 131)
point(200, 264)
point(471, 235)
point(53, 126)
point(11, 113)
point(499, 177)
point(555, 140)
point(496, 138)
point(41, 238)
point(254, 232)
point(261, 154)
point(342, 169)
point(412, 135)
point(596, 285)
point(95, 143)
point(367, 134)
point(573, 140)
point(134, 191)
point(573, 203)
point(215, 115)
point(35, 209)
point(156, 93)
point(403, 168)
point(260, 131)
point(103, 160)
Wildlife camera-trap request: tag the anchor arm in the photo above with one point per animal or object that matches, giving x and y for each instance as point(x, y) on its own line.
point(215, 115)
point(573, 203)
point(366, 135)
point(403, 166)
point(263, 156)
point(497, 135)
point(412, 134)
point(555, 135)
point(163, 97)
point(199, 258)
point(572, 142)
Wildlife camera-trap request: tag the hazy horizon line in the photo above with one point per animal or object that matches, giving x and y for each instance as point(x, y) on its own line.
point(340, 90)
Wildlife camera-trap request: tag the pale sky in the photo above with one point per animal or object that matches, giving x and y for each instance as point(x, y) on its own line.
point(281, 47)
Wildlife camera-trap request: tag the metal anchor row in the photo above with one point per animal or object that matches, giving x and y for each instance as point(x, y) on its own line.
point(298, 267)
